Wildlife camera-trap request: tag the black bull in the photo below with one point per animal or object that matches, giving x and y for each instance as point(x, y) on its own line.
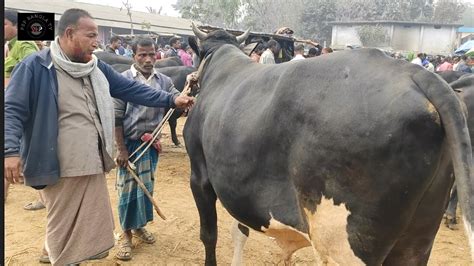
point(463, 83)
point(171, 67)
point(113, 59)
point(310, 153)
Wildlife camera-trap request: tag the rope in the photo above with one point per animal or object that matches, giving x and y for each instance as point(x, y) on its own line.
point(156, 132)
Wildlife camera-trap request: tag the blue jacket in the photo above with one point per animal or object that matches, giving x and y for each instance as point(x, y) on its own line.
point(31, 113)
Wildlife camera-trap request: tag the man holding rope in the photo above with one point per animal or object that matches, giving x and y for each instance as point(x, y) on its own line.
point(59, 104)
point(133, 125)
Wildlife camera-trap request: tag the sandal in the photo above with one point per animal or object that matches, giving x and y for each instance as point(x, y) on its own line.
point(144, 235)
point(125, 250)
point(44, 258)
point(34, 205)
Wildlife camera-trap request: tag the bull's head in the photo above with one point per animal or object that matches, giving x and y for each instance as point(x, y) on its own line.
point(209, 42)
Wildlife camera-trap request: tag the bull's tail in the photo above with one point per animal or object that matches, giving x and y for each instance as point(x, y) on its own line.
point(455, 125)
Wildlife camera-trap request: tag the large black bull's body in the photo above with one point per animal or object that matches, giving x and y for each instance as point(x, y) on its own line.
point(348, 153)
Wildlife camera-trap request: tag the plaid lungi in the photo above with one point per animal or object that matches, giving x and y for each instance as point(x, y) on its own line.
point(134, 208)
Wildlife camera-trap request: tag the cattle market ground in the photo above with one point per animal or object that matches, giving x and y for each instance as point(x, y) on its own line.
point(178, 237)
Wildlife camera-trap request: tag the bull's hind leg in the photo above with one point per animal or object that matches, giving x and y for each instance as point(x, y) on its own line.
point(205, 199)
point(173, 122)
point(414, 246)
point(240, 234)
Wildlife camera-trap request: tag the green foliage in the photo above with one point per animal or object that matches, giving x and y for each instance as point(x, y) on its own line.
point(315, 20)
point(269, 15)
point(311, 18)
point(468, 16)
point(146, 26)
point(448, 11)
point(222, 13)
point(372, 36)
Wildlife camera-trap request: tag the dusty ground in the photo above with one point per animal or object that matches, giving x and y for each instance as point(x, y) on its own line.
point(178, 237)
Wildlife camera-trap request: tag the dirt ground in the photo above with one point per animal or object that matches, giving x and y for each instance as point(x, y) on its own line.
point(178, 237)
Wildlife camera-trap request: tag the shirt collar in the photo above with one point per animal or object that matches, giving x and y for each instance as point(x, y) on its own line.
point(135, 72)
point(11, 43)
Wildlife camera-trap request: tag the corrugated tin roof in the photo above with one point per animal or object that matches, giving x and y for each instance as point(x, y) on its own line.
point(392, 22)
point(106, 15)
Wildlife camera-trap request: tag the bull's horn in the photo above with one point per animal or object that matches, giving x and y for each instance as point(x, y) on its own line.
point(200, 34)
point(243, 37)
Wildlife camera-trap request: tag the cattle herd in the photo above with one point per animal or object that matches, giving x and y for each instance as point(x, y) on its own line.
point(352, 153)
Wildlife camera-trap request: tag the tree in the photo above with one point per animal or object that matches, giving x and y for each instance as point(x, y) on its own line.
point(128, 6)
point(448, 11)
point(269, 15)
point(146, 26)
point(153, 10)
point(371, 35)
point(221, 13)
point(311, 18)
point(316, 18)
point(189, 9)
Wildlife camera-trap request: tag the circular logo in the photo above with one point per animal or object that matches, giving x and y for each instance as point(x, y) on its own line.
point(36, 26)
point(36, 29)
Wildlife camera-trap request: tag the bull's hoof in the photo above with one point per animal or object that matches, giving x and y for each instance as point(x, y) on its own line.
point(451, 223)
point(177, 144)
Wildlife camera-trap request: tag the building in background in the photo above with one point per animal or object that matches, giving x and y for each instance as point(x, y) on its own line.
point(111, 20)
point(465, 34)
point(429, 38)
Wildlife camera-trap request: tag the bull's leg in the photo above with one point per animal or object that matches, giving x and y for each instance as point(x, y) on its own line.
point(205, 199)
point(240, 234)
point(451, 210)
point(173, 122)
point(289, 247)
point(414, 246)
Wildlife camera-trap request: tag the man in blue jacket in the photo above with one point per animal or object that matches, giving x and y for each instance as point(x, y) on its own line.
point(59, 104)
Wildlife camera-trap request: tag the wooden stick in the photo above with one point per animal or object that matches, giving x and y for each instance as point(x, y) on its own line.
point(155, 132)
point(145, 190)
point(158, 129)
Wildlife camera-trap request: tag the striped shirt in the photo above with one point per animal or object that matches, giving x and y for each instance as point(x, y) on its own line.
point(138, 119)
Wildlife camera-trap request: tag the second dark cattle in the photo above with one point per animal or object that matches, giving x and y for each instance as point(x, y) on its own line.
point(178, 75)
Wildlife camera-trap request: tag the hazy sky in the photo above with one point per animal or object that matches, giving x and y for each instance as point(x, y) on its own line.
point(140, 5)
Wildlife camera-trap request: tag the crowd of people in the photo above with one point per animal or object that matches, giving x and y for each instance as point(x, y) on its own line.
point(440, 63)
point(267, 52)
point(174, 48)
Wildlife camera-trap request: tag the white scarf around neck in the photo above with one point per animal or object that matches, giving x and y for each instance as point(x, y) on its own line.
point(100, 86)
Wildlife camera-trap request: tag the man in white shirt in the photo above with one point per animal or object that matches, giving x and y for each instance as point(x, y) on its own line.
point(418, 60)
point(299, 51)
point(268, 57)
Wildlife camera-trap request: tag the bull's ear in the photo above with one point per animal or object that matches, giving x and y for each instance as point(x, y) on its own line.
point(193, 43)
